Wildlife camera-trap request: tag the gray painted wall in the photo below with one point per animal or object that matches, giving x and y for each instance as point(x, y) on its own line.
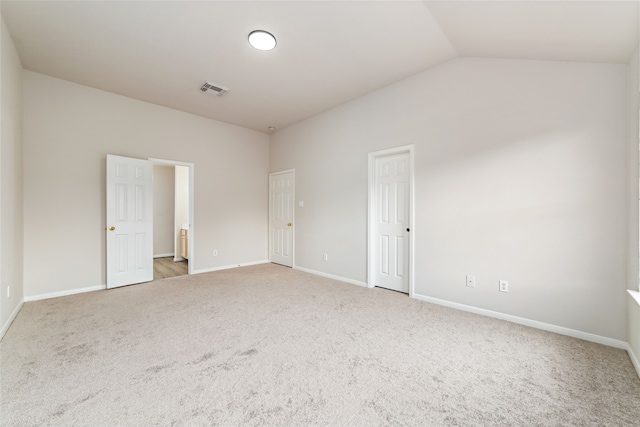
point(633, 305)
point(11, 213)
point(164, 195)
point(68, 131)
point(520, 175)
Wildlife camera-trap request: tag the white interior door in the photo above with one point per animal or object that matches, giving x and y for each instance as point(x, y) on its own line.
point(129, 221)
point(390, 255)
point(281, 195)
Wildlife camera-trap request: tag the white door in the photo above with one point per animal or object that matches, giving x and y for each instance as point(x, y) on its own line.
point(129, 221)
point(281, 218)
point(391, 222)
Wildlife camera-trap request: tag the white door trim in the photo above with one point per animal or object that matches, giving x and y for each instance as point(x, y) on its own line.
point(192, 233)
point(371, 207)
point(293, 213)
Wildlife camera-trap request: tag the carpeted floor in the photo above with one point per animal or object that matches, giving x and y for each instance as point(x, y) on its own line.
point(267, 345)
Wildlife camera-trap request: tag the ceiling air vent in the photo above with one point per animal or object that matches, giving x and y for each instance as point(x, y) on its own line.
point(212, 89)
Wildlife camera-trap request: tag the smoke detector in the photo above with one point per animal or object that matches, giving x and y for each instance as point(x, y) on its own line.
point(213, 89)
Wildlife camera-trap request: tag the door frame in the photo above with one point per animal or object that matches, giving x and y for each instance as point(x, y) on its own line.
point(293, 231)
point(191, 166)
point(373, 156)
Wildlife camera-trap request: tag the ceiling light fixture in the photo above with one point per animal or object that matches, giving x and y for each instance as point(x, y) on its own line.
point(262, 40)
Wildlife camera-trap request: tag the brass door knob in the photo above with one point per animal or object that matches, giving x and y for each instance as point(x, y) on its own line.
point(289, 225)
point(112, 228)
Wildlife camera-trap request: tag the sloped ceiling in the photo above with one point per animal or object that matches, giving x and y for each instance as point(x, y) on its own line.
point(591, 31)
point(328, 52)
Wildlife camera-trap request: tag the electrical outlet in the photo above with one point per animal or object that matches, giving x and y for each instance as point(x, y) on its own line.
point(471, 281)
point(215, 252)
point(504, 286)
point(326, 257)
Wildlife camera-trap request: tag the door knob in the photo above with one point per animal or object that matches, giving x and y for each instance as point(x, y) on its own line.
point(112, 228)
point(289, 225)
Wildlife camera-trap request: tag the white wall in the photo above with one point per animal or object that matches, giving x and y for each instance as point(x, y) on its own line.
point(181, 188)
point(633, 269)
point(68, 131)
point(519, 172)
point(164, 189)
point(633, 306)
point(11, 235)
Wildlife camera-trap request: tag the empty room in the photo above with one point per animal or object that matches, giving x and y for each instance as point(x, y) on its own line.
point(379, 212)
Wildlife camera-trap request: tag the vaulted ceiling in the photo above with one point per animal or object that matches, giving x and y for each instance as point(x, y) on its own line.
point(328, 52)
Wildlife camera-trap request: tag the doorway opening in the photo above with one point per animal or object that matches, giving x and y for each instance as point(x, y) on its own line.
point(173, 218)
point(390, 220)
point(130, 219)
point(170, 220)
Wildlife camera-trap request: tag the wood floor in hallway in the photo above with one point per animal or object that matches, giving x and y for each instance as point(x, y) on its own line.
point(166, 267)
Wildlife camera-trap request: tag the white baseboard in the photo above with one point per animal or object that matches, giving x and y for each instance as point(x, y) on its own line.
point(163, 255)
point(497, 315)
point(64, 293)
point(178, 258)
point(10, 320)
point(331, 276)
point(634, 359)
point(527, 322)
point(227, 267)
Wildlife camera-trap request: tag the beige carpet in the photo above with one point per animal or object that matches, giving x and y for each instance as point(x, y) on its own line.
point(266, 345)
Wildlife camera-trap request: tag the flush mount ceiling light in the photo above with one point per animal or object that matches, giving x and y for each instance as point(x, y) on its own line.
point(262, 40)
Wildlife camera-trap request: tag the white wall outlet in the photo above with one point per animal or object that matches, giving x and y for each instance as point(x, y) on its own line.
point(215, 252)
point(8, 291)
point(326, 257)
point(504, 286)
point(301, 204)
point(471, 281)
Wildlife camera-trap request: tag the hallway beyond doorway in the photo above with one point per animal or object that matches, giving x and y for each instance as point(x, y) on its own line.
point(165, 267)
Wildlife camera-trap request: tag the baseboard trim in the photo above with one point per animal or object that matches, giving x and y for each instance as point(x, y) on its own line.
point(178, 258)
point(227, 267)
point(331, 276)
point(10, 320)
point(528, 322)
point(163, 255)
point(634, 360)
point(65, 293)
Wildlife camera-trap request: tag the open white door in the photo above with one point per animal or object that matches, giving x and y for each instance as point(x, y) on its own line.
point(281, 195)
point(129, 221)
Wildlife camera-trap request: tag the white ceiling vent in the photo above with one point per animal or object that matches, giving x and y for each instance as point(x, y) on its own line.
point(213, 89)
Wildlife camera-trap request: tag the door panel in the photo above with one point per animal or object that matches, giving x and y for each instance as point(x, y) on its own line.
point(391, 221)
point(129, 221)
point(281, 218)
